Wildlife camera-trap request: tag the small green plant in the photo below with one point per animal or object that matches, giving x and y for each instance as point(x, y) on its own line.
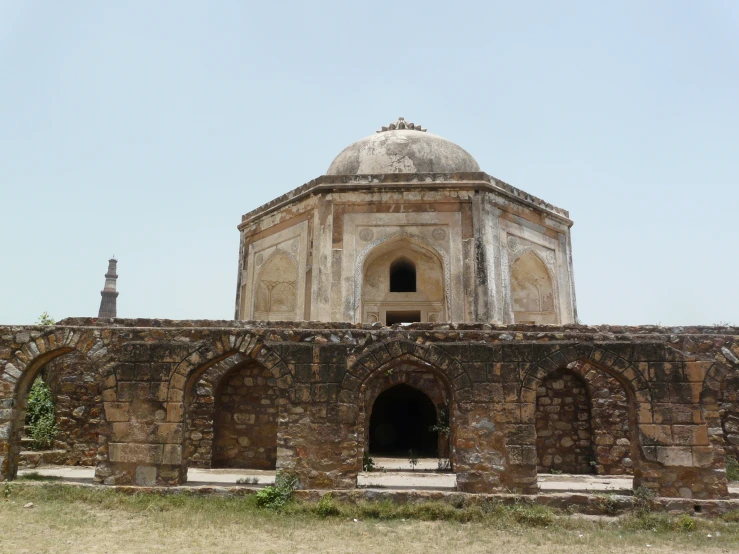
point(643, 497)
point(412, 459)
point(41, 415)
point(45, 319)
point(594, 466)
point(279, 494)
point(368, 464)
point(442, 423)
point(7, 490)
point(684, 523)
point(555, 471)
point(607, 504)
point(247, 480)
point(443, 465)
point(532, 515)
point(732, 469)
point(327, 507)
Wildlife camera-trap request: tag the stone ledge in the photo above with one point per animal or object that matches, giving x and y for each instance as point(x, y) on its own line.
point(591, 504)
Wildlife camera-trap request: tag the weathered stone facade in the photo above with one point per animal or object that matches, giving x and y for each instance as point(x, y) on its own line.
point(676, 381)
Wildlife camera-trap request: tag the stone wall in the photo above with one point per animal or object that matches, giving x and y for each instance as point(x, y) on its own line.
point(674, 383)
point(563, 431)
point(246, 419)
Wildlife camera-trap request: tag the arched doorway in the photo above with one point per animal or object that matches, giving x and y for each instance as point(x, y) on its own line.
point(402, 420)
point(403, 282)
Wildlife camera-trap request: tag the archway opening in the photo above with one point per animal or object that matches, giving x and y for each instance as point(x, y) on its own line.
point(244, 420)
point(402, 420)
point(57, 416)
point(402, 275)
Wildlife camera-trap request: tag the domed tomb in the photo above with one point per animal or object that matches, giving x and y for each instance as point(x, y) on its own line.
point(404, 228)
point(402, 147)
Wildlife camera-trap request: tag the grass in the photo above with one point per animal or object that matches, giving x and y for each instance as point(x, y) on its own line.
point(36, 476)
point(80, 519)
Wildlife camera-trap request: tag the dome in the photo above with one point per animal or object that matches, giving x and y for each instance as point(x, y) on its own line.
point(402, 147)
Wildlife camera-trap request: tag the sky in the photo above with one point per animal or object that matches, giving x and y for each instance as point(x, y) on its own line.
point(146, 129)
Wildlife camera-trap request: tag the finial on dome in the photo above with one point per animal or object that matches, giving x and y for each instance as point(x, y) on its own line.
point(401, 123)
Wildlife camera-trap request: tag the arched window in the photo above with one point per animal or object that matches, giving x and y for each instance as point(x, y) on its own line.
point(402, 276)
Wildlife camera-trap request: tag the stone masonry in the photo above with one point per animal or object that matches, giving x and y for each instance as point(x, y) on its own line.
point(676, 381)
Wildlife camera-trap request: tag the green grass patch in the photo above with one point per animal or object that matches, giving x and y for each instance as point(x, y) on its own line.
point(36, 476)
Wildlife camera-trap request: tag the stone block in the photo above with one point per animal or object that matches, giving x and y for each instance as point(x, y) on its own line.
point(692, 435)
point(146, 476)
point(681, 456)
point(117, 411)
point(135, 453)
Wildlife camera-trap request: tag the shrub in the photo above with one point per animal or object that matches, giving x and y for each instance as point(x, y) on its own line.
point(41, 415)
point(276, 496)
point(643, 499)
point(326, 506)
point(607, 504)
point(684, 523)
point(247, 480)
point(532, 515)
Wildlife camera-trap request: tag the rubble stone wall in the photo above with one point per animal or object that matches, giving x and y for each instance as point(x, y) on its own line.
point(678, 394)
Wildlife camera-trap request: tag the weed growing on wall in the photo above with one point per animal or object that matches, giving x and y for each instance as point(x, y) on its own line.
point(41, 415)
point(732, 469)
point(368, 464)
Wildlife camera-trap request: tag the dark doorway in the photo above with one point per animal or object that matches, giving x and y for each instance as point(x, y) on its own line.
point(402, 276)
point(392, 318)
point(401, 420)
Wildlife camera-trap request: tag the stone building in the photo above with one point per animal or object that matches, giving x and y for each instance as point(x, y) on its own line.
point(405, 227)
point(494, 375)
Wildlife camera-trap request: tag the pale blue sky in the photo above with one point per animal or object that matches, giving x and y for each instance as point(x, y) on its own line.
point(145, 130)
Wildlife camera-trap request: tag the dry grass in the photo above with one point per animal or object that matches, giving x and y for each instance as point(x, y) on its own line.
point(66, 519)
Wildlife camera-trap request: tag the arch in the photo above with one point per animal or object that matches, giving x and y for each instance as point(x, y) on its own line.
point(533, 289)
point(222, 353)
point(393, 237)
point(577, 357)
point(275, 295)
point(388, 354)
point(19, 372)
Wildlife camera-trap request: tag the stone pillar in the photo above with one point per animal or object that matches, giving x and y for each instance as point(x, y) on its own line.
point(487, 248)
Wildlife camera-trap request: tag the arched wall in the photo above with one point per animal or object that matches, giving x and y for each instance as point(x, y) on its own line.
point(22, 368)
point(222, 355)
point(633, 382)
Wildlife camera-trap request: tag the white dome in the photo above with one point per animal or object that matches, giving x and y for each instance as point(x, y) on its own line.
point(402, 147)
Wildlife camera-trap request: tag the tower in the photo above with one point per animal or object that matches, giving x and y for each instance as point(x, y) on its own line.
point(109, 294)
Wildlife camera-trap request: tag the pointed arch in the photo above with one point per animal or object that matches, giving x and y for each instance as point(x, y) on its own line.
point(19, 372)
point(402, 235)
point(534, 289)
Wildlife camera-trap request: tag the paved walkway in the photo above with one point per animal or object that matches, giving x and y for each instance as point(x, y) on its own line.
point(393, 476)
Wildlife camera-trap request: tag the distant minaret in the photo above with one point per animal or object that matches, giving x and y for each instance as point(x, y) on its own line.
point(109, 294)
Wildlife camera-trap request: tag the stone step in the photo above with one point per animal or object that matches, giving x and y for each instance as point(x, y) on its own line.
point(35, 458)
